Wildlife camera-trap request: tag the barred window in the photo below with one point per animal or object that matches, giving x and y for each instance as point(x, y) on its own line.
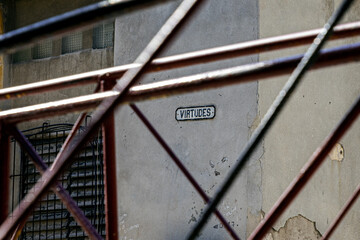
point(83, 181)
point(42, 50)
point(71, 43)
point(103, 36)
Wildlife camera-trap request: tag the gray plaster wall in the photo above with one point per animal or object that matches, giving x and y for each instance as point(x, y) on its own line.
point(313, 110)
point(155, 200)
point(55, 67)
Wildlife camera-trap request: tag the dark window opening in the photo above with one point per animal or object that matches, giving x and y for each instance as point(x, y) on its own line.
point(83, 180)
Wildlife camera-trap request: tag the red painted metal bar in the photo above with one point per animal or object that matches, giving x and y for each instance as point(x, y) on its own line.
point(57, 188)
point(108, 129)
point(181, 60)
point(4, 172)
point(106, 107)
point(342, 214)
point(306, 172)
point(272, 113)
point(182, 168)
point(250, 72)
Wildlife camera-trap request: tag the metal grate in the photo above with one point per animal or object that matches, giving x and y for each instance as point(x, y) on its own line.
point(103, 36)
point(83, 181)
point(42, 50)
point(71, 43)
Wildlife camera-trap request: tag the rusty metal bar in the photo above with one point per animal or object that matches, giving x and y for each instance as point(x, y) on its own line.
point(108, 130)
point(57, 188)
point(342, 214)
point(106, 107)
point(4, 172)
point(181, 60)
point(306, 172)
point(274, 110)
point(182, 168)
point(250, 72)
point(73, 20)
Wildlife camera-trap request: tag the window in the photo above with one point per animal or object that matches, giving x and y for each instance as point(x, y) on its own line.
point(103, 36)
point(84, 182)
point(71, 43)
point(42, 50)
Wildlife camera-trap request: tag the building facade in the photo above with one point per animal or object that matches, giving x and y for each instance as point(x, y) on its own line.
point(155, 201)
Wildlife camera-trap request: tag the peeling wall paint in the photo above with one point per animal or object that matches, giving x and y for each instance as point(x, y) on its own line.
point(296, 228)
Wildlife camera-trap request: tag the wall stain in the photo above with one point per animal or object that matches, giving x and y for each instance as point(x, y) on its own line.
point(298, 227)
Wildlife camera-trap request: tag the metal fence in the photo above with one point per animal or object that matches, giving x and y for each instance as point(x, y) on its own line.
point(117, 92)
point(84, 181)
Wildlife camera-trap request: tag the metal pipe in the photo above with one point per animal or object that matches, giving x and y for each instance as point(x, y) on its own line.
point(181, 60)
point(274, 111)
point(212, 79)
point(57, 188)
point(64, 23)
point(106, 107)
point(182, 168)
point(109, 147)
point(4, 172)
point(342, 214)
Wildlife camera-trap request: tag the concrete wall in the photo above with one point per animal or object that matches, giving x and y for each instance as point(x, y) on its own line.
point(54, 67)
point(314, 109)
point(156, 201)
point(17, 15)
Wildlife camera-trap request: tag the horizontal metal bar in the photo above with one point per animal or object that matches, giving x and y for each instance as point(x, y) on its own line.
point(181, 60)
point(157, 43)
point(271, 114)
point(213, 79)
point(55, 108)
point(69, 21)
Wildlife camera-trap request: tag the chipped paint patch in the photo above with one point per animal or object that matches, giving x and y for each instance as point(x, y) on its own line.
point(298, 227)
point(337, 153)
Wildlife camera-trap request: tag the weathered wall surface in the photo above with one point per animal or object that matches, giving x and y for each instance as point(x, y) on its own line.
point(155, 199)
point(317, 105)
point(54, 67)
point(17, 15)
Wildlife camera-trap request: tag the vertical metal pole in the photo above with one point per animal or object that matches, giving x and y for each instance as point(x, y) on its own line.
point(108, 130)
point(4, 173)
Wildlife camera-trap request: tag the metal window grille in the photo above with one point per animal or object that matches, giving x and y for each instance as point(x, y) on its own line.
point(83, 181)
point(103, 36)
point(22, 56)
point(42, 50)
point(71, 43)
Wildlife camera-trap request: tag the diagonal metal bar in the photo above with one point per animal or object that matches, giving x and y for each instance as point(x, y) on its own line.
point(82, 219)
point(57, 188)
point(342, 213)
point(106, 107)
point(69, 21)
point(274, 110)
point(182, 167)
point(181, 60)
point(219, 78)
point(307, 171)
